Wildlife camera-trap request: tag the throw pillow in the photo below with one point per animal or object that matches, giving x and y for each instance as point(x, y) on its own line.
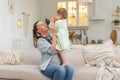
point(11, 57)
point(94, 54)
point(2, 53)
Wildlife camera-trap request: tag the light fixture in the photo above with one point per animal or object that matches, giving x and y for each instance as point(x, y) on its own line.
point(19, 23)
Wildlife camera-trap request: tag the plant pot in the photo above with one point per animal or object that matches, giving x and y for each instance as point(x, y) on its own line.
point(116, 24)
point(113, 36)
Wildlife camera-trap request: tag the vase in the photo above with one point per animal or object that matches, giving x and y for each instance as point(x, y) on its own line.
point(113, 36)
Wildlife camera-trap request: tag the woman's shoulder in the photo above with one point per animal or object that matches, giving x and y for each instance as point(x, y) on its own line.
point(44, 39)
point(41, 40)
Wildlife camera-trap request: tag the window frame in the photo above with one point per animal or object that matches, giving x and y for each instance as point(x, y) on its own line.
point(77, 26)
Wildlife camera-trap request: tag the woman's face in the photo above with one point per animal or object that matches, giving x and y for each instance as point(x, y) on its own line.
point(42, 27)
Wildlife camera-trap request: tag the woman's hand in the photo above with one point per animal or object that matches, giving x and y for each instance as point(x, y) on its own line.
point(53, 31)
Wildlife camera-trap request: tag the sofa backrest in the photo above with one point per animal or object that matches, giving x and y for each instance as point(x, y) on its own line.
point(75, 57)
point(31, 56)
point(117, 53)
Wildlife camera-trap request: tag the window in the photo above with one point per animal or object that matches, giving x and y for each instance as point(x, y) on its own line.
point(77, 13)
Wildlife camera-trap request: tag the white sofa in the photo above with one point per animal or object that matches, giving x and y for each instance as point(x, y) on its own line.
point(29, 70)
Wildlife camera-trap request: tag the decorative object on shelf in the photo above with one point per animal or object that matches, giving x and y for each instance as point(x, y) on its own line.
point(84, 38)
point(71, 36)
point(78, 38)
point(113, 36)
point(116, 22)
point(11, 6)
point(100, 41)
point(75, 38)
point(47, 21)
point(93, 42)
point(117, 9)
point(26, 23)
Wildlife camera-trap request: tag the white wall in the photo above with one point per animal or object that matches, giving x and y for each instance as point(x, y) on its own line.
point(97, 29)
point(41, 9)
point(9, 32)
point(102, 29)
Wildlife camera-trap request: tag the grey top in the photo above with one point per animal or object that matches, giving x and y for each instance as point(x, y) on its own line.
point(48, 55)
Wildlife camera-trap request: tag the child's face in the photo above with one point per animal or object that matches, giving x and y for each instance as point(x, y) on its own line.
point(58, 16)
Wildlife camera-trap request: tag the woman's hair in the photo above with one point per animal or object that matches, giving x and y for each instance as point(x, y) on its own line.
point(36, 35)
point(63, 12)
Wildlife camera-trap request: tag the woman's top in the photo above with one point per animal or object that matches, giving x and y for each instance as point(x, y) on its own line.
point(63, 42)
point(48, 55)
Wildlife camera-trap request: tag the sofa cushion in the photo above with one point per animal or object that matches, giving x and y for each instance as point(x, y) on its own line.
point(21, 72)
point(75, 57)
point(117, 53)
point(96, 53)
point(85, 73)
point(31, 56)
point(11, 57)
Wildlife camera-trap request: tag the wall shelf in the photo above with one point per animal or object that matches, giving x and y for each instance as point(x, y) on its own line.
point(116, 26)
point(78, 28)
point(116, 14)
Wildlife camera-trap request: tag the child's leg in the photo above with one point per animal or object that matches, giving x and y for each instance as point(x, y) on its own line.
point(63, 58)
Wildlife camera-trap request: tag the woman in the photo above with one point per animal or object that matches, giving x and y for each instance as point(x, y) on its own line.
point(50, 64)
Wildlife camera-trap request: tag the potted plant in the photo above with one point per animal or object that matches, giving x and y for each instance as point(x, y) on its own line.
point(47, 21)
point(116, 22)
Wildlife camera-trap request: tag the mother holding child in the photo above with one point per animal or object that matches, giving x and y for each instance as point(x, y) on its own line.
point(53, 63)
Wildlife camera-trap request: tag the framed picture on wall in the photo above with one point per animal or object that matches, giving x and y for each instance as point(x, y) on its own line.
point(11, 6)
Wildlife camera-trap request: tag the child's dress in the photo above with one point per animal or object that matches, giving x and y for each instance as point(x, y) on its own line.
point(63, 42)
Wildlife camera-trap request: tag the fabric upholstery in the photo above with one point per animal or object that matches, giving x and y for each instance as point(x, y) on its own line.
point(85, 73)
point(31, 56)
point(24, 72)
point(29, 70)
point(96, 53)
point(11, 57)
point(75, 57)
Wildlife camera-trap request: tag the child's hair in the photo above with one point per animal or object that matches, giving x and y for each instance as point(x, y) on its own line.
point(63, 12)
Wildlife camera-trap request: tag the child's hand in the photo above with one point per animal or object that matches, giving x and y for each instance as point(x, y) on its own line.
point(52, 20)
point(53, 29)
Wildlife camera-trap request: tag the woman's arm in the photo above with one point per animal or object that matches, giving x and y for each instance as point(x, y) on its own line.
point(45, 47)
point(53, 30)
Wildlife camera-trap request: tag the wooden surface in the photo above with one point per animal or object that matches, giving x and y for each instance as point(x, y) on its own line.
point(113, 36)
